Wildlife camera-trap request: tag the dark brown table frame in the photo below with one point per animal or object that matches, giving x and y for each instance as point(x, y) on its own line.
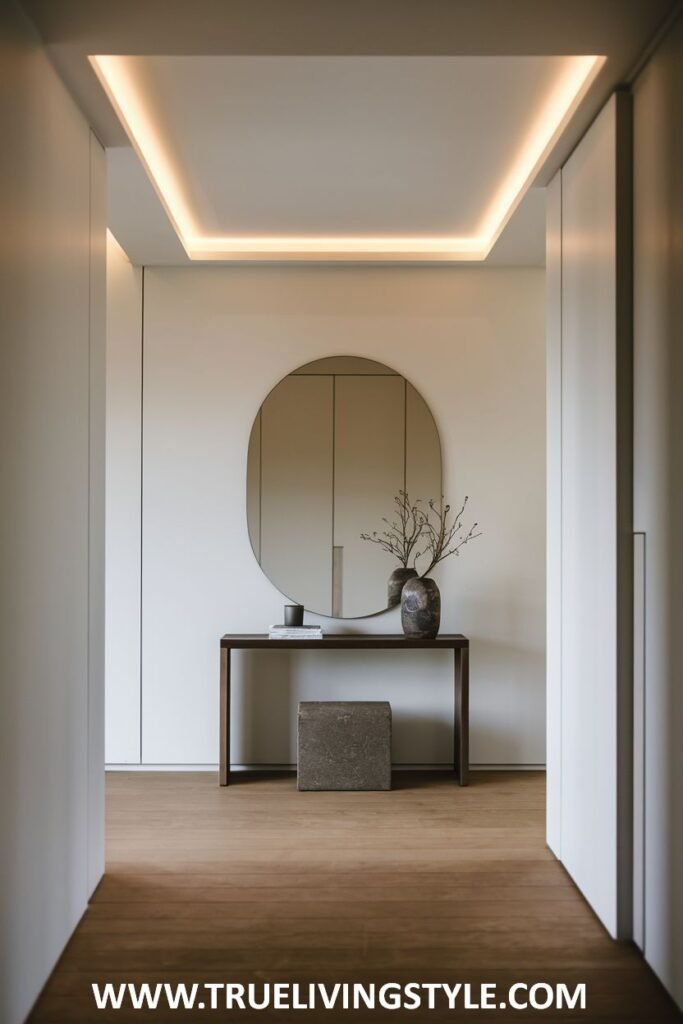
point(455, 642)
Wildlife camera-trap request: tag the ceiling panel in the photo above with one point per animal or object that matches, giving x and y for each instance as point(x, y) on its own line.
point(410, 158)
point(73, 29)
point(319, 116)
point(139, 221)
point(358, 146)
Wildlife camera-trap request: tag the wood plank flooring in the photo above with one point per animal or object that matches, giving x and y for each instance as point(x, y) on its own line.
point(259, 883)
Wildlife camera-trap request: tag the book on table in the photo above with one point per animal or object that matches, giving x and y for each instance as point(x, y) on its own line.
point(295, 633)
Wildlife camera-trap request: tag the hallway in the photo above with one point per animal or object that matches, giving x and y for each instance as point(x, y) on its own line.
point(429, 882)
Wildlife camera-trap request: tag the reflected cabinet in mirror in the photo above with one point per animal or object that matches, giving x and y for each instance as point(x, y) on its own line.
point(331, 447)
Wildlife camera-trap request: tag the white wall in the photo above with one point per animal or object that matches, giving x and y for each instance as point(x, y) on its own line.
point(96, 508)
point(216, 340)
point(51, 527)
point(553, 288)
point(658, 511)
point(588, 582)
point(124, 423)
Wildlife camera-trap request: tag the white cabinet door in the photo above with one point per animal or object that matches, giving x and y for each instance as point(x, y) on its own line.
point(595, 590)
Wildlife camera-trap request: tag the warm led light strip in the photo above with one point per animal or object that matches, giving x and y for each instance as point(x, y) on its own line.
point(554, 115)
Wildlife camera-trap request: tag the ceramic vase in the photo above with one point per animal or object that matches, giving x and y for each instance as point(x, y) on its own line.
point(395, 586)
point(420, 609)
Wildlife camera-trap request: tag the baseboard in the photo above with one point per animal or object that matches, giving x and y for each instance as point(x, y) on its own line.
point(292, 767)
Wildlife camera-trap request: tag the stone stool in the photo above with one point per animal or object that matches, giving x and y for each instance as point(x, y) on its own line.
point(344, 744)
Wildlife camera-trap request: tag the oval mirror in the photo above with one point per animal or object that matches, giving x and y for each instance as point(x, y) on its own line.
point(331, 448)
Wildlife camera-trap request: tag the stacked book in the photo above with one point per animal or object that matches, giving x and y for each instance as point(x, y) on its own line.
point(295, 633)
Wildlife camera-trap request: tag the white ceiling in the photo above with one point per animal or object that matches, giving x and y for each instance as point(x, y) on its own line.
point(139, 221)
point(332, 146)
point(311, 115)
point(73, 29)
point(360, 146)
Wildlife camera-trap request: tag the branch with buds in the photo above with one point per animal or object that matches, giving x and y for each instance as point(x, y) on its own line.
point(444, 538)
point(403, 533)
point(413, 524)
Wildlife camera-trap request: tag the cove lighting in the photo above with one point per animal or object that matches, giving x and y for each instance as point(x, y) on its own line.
point(553, 115)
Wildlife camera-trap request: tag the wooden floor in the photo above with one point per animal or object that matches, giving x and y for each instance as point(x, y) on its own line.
point(258, 882)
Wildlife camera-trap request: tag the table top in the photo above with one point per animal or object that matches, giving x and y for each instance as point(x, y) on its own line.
point(346, 642)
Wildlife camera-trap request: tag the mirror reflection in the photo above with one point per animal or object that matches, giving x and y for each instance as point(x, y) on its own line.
point(332, 445)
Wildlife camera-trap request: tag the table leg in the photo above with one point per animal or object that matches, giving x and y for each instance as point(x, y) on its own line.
point(224, 773)
point(461, 723)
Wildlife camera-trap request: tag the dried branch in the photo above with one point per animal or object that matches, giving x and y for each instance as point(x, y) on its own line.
point(444, 538)
point(412, 524)
point(403, 533)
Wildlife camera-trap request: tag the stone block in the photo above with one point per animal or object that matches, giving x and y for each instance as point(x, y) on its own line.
point(344, 745)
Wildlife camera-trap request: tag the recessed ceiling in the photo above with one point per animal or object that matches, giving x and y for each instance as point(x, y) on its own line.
point(139, 222)
point(72, 30)
point(345, 157)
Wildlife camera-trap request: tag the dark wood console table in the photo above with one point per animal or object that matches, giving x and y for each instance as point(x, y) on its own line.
point(355, 642)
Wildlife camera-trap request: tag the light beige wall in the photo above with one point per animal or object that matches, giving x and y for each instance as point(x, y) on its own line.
point(123, 469)
point(254, 487)
point(97, 357)
point(51, 525)
point(658, 501)
point(216, 340)
point(553, 285)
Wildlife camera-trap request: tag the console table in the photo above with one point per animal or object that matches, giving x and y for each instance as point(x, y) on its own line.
point(355, 642)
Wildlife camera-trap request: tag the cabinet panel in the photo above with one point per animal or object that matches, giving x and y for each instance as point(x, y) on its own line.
point(296, 489)
point(123, 501)
point(592, 696)
point(369, 471)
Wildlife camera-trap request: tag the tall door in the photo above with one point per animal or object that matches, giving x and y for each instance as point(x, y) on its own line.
point(658, 499)
point(590, 521)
